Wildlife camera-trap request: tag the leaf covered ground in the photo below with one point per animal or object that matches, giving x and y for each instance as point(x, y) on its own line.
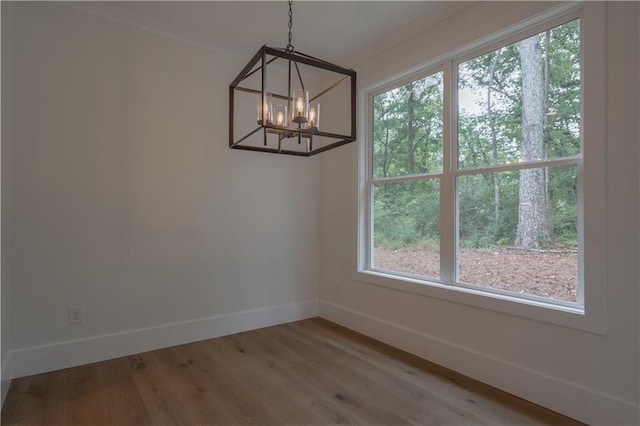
point(552, 274)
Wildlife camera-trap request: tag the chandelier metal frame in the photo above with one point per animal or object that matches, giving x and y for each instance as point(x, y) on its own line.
point(288, 134)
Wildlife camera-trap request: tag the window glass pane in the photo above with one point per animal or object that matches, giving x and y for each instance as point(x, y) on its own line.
point(522, 101)
point(518, 231)
point(406, 234)
point(407, 129)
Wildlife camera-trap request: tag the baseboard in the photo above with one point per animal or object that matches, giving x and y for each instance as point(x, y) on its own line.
point(570, 399)
point(25, 362)
point(5, 378)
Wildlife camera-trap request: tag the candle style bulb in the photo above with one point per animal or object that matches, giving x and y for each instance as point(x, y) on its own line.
point(280, 118)
point(300, 106)
point(267, 116)
point(312, 117)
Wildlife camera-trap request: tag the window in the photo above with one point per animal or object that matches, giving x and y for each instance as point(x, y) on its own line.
point(407, 143)
point(474, 172)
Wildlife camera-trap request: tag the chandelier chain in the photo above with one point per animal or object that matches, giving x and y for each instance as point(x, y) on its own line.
point(290, 48)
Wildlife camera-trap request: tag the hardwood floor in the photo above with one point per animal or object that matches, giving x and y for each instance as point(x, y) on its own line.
point(309, 372)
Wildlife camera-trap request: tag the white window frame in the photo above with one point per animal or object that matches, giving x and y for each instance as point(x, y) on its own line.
point(589, 312)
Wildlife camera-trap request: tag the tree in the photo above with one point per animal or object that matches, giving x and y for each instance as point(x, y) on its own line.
point(494, 141)
point(411, 132)
point(520, 102)
point(534, 213)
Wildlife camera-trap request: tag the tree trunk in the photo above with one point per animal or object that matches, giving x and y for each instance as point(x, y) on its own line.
point(387, 160)
point(494, 142)
point(545, 124)
point(534, 225)
point(411, 132)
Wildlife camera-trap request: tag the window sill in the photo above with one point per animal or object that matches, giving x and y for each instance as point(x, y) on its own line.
point(564, 316)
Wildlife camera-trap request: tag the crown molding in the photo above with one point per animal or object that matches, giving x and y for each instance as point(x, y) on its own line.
point(107, 11)
point(434, 16)
point(114, 14)
point(104, 10)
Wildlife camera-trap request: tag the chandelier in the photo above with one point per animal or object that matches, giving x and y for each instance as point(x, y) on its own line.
point(271, 109)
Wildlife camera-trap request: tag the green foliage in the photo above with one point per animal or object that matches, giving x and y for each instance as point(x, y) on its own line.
point(408, 140)
point(407, 128)
point(407, 213)
point(477, 224)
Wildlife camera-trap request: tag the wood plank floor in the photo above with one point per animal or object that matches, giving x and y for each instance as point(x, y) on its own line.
point(309, 372)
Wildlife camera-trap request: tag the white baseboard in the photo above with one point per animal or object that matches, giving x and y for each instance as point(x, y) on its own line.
point(5, 378)
point(25, 362)
point(570, 399)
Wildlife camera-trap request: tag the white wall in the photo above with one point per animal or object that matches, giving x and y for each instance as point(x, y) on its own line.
point(126, 199)
point(119, 193)
point(587, 376)
point(5, 124)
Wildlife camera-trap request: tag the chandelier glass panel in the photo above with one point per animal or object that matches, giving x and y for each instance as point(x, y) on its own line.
point(274, 103)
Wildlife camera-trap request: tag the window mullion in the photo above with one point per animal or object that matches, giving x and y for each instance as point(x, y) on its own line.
point(447, 183)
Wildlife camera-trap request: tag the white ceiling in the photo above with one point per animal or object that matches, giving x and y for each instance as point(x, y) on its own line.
point(330, 30)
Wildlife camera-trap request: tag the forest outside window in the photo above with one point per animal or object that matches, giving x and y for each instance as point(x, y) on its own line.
point(492, 205)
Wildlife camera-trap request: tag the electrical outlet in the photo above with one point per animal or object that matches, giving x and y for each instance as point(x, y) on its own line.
point(76, 315)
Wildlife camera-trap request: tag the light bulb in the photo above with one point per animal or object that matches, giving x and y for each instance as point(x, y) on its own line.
point(280, 118)
point(312, 117)
point(267, 115)
point(299, 106)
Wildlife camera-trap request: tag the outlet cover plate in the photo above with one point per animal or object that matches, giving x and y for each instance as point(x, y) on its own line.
point(76, 315)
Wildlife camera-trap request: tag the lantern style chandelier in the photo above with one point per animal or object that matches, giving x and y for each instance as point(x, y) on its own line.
point(273, 109)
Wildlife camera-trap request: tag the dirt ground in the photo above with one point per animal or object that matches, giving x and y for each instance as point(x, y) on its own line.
point(546, 274)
